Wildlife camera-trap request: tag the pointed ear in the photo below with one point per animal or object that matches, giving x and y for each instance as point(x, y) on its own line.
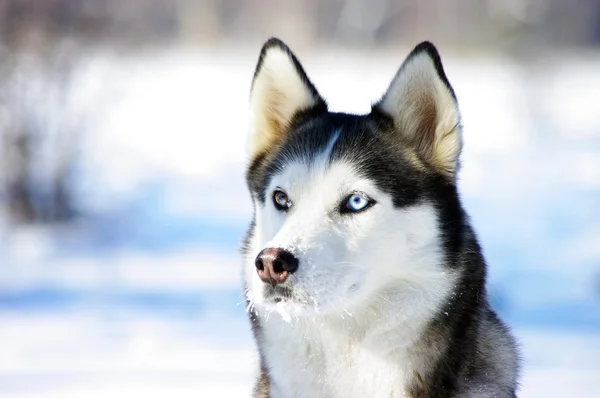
point(424, 110)
point(280, 91)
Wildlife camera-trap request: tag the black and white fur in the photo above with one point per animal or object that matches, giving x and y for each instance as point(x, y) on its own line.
point(386, 302)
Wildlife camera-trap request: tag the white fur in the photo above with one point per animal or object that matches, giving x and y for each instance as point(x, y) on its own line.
point(278, 93)
point(368, 284)
point(414, 89)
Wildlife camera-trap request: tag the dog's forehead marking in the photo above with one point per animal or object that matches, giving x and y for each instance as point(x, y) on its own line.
point(314, 157)
point(301, 168)
point(329, 148)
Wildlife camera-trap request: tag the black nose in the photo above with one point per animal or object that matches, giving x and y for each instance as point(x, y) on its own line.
point(274, 265)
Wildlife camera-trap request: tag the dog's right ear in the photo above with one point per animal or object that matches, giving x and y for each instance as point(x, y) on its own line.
point(280, 92)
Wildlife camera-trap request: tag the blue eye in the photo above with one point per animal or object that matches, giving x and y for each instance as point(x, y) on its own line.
point(355, 203)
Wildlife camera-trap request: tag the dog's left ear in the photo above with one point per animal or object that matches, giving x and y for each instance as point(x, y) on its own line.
point(280, 92)
point(423, 107)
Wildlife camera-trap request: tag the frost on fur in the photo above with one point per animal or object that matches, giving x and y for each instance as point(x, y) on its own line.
point(280, 91)
point(423, 107)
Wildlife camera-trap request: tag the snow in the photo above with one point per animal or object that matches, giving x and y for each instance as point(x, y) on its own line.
point(82, 355)
point(144, 295)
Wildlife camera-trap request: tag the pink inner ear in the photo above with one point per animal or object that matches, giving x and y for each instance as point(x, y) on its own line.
point(423, 138)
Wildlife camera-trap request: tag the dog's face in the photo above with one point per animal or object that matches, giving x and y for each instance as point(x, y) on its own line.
point(345, 205)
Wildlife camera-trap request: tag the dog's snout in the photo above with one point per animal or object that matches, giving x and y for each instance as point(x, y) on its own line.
point(274, 265)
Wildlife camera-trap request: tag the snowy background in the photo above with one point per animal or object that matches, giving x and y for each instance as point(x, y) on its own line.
point(140, 294)
point(143, 296)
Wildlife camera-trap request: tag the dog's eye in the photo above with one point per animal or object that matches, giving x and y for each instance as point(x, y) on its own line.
point(355, 203)
point(281, 201)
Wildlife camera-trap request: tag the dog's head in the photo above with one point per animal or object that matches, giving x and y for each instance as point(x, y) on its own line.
point(345, 205)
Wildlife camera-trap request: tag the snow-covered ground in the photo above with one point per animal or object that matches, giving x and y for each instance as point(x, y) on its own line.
point(143, 296)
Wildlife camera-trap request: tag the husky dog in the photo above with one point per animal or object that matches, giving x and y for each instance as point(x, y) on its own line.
point(363, 276)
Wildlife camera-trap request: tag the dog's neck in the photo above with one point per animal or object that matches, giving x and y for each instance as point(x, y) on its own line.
point(385, 332)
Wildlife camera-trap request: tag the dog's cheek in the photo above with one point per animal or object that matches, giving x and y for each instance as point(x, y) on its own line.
point(315, 281)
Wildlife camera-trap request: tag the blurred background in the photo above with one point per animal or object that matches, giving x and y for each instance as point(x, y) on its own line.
point(122, 198)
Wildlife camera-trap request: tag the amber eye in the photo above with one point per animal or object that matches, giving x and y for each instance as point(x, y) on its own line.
point(281, 201)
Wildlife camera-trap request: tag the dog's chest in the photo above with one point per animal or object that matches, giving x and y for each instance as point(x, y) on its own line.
point(310, 361)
